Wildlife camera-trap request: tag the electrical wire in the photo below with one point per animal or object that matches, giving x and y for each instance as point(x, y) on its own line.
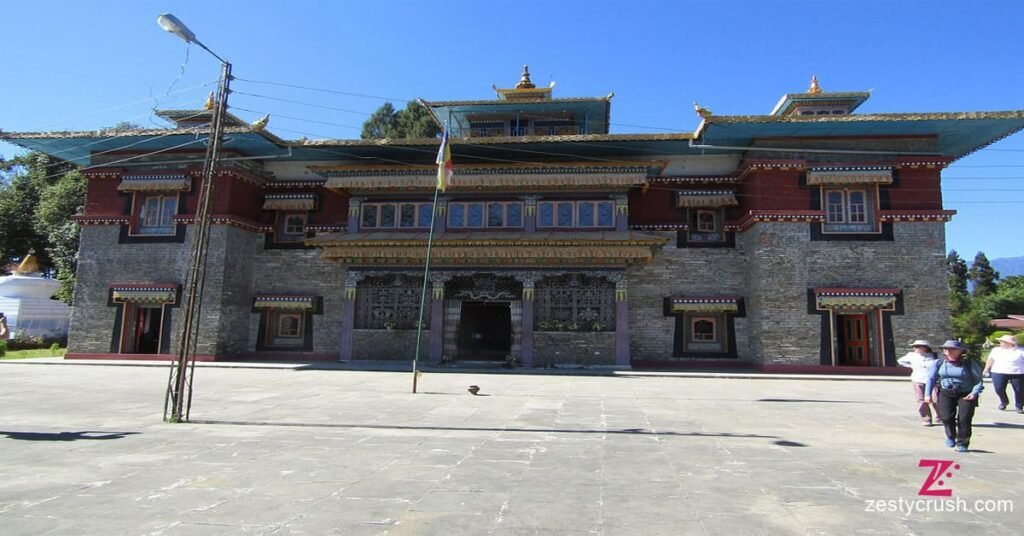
point(134, 103)
point(233, 92)
point(322, 90)
point(122, 134)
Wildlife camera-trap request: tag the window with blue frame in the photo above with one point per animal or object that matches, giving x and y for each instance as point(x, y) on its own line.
point(391, 215)
point(576, 214)
point(493, 214)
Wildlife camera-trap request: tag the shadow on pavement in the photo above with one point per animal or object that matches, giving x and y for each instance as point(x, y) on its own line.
point(637, 431)
point(64, 436)
point(999, 425)
point(812, 401)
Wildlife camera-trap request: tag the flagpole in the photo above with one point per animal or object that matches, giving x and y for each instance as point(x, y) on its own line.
point(423, 294)
point(444, 173)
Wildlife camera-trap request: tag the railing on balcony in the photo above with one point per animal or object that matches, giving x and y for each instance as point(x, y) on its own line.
point(491, 132)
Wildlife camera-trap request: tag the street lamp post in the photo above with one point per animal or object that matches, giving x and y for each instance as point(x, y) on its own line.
point(178, 401)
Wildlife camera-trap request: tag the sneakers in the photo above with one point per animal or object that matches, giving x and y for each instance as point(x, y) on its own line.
point(1002, 407)
point(950, 442)
point(961, 448)
point(926, 423)
point(1020, 410)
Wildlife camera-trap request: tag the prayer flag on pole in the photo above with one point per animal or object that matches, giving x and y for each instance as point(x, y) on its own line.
point(444, 162)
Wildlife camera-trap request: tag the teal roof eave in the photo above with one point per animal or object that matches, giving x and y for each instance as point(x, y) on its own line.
point(597, 111)
point(79, 147)
point(957, 134)
point(853, 98)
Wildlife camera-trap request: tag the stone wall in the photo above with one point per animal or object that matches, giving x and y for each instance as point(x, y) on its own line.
point(573, 347)
point(389, 345)
point(680, 271)
point(784, 263)
point(300, 271)
point(227, 294)
point(102, 261)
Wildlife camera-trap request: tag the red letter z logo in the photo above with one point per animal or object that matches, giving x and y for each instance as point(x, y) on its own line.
point(939, 468)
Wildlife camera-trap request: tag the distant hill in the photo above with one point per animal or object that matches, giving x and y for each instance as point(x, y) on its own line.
point(1008, 266)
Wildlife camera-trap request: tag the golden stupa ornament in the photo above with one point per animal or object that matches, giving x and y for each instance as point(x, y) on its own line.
point(815, 89)
point(209, 102)
point(28, 265)
point(524, 81)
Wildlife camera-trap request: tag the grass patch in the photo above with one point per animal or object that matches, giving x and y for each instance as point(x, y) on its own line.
point(28, 354)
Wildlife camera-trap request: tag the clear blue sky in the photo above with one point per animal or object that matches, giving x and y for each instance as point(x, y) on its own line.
point(81, 65)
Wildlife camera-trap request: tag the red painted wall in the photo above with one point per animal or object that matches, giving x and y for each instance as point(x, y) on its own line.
point(655, 206)
point(103, 199)
point(918, 189)
point(773, 189)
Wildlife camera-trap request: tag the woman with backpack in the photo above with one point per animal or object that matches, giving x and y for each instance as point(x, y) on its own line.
point(959, 381)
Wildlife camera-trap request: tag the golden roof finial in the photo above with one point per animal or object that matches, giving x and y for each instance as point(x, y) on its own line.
point(28, 265)
point(815, 89)
point(209, 102)
point(260, 124)
point(524, 82)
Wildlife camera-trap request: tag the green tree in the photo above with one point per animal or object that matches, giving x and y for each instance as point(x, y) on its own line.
point(38, 193)
point(22, 181)
point(982, 275)
point(415, 121)
point(956, 270)
point(381, 123)
point(52, 221)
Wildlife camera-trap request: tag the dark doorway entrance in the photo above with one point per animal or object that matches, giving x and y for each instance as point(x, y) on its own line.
point(853, 341)
point(147, 330)
point(485, 331)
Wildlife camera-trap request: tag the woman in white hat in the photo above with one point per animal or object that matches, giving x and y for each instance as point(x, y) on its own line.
point(919, 360)
point(959, 380)
point(1006, 365)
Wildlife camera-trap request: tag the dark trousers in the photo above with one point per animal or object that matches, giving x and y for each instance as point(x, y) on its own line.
point(999, 382)
point(956, 415)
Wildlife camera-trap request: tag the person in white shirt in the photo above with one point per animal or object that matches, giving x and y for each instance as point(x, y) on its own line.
point(920, 360)
point(1006, 365)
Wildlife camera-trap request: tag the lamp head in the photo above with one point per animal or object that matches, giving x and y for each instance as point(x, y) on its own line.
point(171, 24)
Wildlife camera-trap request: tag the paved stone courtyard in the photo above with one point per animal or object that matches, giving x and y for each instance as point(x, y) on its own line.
point(83, 450)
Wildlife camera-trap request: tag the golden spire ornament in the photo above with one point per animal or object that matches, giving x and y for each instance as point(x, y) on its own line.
point(524, 82)
point(210, 102)
point(815, 89)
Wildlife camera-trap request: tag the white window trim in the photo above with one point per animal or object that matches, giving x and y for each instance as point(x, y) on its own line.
point(284, 235)
point(142, 228)
point(870, 225)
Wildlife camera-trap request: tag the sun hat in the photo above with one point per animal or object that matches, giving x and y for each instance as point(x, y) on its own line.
point(1008, 338)
point(954, 345)
point(921, 342)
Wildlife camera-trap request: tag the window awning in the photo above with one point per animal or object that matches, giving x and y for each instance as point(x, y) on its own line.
point(856, 298)
point(144, 293)
point(820, 176)
point(702, 304)
point(292, 202)
point(284, 301)
point(706, 198)
point(154, 183)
